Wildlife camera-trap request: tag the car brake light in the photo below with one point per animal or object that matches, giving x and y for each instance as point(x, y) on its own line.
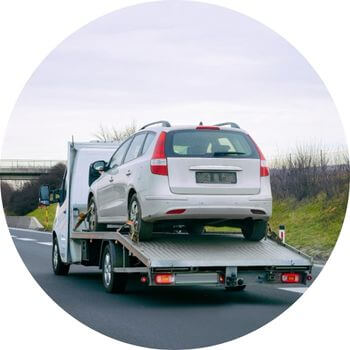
point(264, 169)
point(176, 211)
point(290, 277)
point(159, 164)
point(204, 127)
point(164, 278)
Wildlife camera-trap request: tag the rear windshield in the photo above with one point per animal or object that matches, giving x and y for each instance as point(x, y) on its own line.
point(210, 144)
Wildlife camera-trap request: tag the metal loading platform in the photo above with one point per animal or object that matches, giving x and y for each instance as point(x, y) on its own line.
point(206, 250)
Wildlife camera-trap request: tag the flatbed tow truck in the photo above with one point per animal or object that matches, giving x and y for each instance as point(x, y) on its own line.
point(170, 259)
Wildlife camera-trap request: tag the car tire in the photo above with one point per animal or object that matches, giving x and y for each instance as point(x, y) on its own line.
point(144, 229)
point(113, 282)
point(94, 225)
point(195, 229)
point(254, 230)
point(58, 266)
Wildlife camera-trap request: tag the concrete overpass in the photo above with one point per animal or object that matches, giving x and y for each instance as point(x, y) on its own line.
point(25, 169)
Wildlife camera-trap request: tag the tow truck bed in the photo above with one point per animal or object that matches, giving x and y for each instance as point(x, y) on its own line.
point(208, 253)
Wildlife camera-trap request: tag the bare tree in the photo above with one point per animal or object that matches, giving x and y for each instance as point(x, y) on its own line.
point(112, 134)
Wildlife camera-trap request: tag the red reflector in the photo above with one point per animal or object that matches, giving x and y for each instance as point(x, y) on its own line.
point(221, 278)
point(204, 127)
point(176, 211)
point(290, 277)
point(143, 279)
point(164, 278)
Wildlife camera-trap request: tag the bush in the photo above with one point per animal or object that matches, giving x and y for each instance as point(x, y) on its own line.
point(309, 172)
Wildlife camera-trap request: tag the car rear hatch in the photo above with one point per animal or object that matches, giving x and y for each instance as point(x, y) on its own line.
point(211, 161)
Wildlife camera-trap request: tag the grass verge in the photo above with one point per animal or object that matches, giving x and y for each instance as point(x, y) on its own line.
point(40, 214)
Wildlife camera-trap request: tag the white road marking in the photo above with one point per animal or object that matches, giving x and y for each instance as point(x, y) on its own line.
point(13, 236)
point(319, 265)
point(44, 243)
point(25, 239)
point(300, 290)
point(28, 230)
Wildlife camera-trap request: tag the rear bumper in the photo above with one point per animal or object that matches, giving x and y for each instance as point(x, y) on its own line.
point(154, 208)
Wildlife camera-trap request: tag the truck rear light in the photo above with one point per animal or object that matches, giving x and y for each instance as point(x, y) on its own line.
point(176, 211)
point(264, 169)
point(290, 277)
point(204, 127)
point(164, 278)
point(143, 279)
point(159, 164)
point(221, 279)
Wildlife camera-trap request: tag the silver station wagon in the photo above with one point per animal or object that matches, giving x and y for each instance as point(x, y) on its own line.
point(164, 177)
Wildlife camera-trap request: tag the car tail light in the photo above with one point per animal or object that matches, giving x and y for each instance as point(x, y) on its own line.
point(164, 278)
point(176, 211)
point(204, 127)
point(264, 169)
point(290, 277)
point(159, 164)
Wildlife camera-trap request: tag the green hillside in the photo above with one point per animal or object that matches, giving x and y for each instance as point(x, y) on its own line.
point(311, 225)
point(40, 214)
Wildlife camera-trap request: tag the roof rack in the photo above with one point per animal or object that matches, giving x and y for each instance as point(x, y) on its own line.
point(232, 125)
point(163, 122)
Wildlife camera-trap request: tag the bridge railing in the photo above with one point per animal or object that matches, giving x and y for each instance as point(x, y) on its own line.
point(28, 163)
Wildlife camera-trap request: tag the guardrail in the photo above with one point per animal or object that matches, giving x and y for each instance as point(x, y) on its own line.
point(28, 163)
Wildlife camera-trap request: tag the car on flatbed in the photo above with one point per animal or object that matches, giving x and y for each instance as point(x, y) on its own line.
point(164, 177)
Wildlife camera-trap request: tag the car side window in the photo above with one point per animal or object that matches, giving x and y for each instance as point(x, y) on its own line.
point(135, 147)
point(149, 138)
point(118, 156)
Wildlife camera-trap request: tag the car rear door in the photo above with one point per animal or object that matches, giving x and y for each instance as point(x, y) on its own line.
point(107, 197)
point(211, 161)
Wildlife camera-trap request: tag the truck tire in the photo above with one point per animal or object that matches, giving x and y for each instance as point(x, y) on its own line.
point(235, 289)
point(194, 229)
point(58, 266)
point(254, 230)
point(93, 218)
point(112, 281)
point(144, 229)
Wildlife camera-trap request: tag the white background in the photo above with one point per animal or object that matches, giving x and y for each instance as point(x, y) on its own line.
point(31, 29)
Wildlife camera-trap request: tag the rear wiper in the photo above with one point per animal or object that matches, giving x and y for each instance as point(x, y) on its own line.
point(215, 154)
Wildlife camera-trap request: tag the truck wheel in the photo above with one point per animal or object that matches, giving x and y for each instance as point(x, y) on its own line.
point(194, 229)
point(235, 289)
point(254, 230)
point(113, 282)
point(58, 266)
point(143, 228)
point(93, 219)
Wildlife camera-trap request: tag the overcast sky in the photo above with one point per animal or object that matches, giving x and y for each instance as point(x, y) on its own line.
point(180, 61)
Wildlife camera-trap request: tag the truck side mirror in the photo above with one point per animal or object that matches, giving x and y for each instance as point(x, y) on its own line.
point(95, 170)
point(44, 195)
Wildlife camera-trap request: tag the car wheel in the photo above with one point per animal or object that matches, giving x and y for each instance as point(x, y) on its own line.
point(142, 228)
point(195, 229)
point(58, 266)
point(254, 230)
point(93, 218)
point(113, 282)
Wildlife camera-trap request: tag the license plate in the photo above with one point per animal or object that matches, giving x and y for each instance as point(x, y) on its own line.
point(211, 177)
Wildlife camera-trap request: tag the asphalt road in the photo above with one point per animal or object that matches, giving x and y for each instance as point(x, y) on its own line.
point(175, 318)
